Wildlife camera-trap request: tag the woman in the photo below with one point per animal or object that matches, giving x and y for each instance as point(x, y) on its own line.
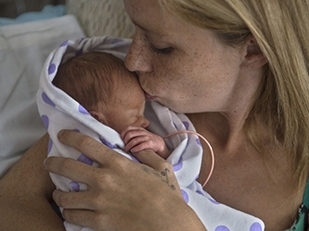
point(239, 70)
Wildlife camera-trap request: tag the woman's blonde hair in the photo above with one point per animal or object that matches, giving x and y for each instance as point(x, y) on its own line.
point(281, 28)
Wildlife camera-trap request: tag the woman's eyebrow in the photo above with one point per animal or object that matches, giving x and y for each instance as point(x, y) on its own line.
point(148, 31)
point(141, 27)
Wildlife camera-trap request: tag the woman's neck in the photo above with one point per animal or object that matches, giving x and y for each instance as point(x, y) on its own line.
point(223, 131)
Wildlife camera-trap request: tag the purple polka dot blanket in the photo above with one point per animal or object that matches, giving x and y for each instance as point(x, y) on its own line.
point(59, 111)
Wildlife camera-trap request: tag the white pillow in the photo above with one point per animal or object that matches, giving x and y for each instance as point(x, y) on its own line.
point(23, 50)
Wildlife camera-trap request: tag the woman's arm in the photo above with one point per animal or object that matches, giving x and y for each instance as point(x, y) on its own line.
point(25, 194)
point(122, 194)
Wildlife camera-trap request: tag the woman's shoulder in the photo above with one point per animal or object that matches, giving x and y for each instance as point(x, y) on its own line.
point(302, 220)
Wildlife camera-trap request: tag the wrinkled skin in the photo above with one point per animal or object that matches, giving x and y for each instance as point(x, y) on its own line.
point(137, 139)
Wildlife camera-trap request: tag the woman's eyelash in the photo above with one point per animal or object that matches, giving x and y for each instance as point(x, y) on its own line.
point(166, 50)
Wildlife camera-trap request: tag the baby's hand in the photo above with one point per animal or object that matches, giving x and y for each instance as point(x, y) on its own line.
point(137, 139)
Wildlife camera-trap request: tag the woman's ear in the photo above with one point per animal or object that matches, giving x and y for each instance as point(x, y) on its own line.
point(254, 58)
point(98, 116)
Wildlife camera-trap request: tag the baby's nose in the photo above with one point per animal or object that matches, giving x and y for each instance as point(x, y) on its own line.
point(145, 123)
point(142, 122)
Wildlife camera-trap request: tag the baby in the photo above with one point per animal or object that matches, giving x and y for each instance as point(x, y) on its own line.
point(112, 95)
point(100, 82)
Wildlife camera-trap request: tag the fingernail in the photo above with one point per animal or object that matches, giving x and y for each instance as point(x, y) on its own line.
point(59, 134)
point(44, 162)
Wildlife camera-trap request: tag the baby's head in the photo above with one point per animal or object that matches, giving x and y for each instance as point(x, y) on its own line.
point(100, 83)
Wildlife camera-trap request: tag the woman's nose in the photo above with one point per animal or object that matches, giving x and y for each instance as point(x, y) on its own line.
point(137, 59)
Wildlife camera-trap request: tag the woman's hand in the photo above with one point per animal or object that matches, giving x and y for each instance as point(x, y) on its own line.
point(122, 194)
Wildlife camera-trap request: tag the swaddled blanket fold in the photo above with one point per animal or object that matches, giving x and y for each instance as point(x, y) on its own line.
point(59, 111)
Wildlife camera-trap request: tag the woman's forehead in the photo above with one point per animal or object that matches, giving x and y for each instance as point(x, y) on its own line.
point(157, 22)
point(148, 15)
point(145, 6)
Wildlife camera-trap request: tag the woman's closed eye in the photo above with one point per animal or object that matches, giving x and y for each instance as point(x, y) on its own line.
point(165, 51)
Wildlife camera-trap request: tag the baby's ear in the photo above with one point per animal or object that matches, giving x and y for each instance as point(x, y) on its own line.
point(98, 116)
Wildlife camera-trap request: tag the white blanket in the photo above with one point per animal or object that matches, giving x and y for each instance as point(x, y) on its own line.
point(23, 51)
point(59, 111)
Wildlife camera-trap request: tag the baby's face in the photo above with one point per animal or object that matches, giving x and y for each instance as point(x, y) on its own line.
point(128, 106)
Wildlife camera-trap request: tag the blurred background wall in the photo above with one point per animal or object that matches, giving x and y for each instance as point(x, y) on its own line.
point(99, 17)
point(96, 17)
point(13, 8)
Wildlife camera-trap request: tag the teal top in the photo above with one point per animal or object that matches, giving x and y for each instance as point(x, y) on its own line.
point(301, 223)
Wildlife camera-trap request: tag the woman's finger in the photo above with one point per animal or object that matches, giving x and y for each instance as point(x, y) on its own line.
point(73, 200)
point(162, 167)
point(99, 221)
point(84, 218)
point(70, 168)
point(88, 146)
point(153, 160)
